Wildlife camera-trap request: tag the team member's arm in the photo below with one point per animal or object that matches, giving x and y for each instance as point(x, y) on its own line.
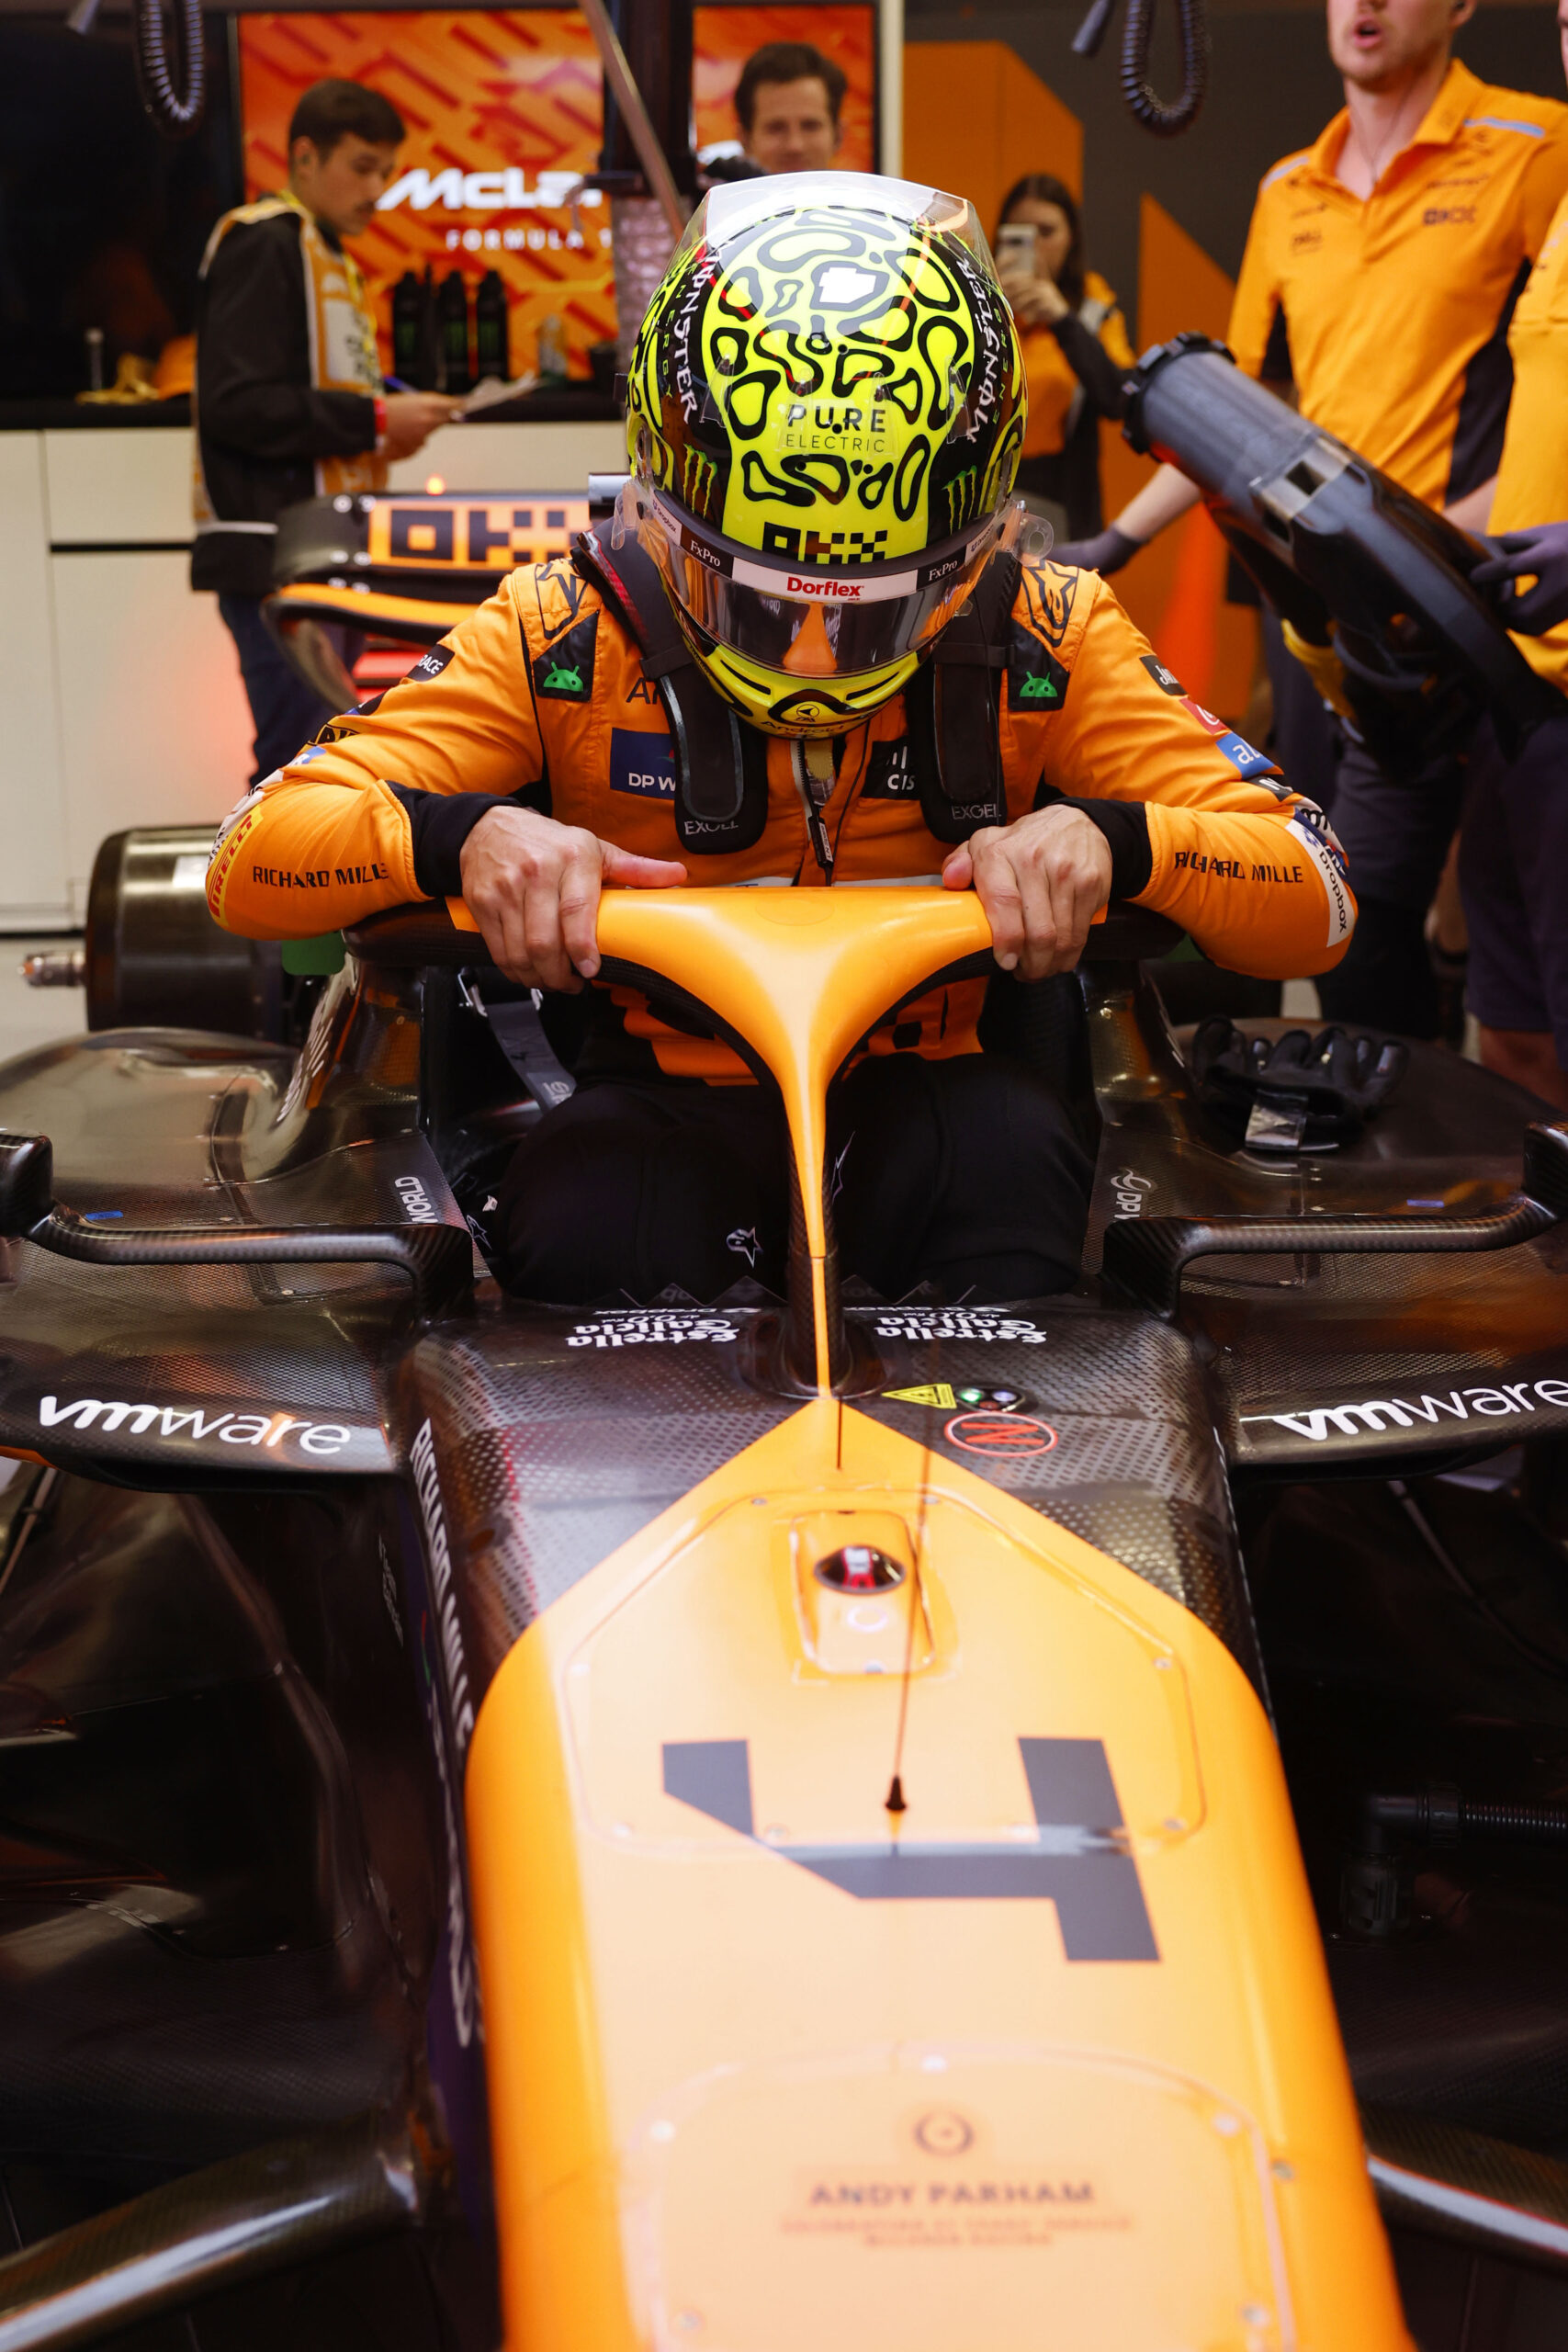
point(252, 315)
point(1199, 825)
point(1169, 495)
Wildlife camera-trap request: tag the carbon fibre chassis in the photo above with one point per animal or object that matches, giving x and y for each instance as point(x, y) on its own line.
point(558, 1436)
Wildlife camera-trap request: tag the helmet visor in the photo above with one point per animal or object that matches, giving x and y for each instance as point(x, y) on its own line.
point(811, 623)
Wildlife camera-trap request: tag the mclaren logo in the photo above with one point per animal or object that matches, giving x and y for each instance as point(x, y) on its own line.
point(507, 191)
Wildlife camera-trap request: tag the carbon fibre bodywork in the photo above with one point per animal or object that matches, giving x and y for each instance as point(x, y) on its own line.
point(286, 1535)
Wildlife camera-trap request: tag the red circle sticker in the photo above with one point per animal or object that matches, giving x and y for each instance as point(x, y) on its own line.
point(1003, 1436)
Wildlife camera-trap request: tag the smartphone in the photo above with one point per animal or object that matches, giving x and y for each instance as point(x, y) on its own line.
point(1015, 247)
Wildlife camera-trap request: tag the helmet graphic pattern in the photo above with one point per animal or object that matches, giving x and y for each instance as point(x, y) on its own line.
point(833, 385)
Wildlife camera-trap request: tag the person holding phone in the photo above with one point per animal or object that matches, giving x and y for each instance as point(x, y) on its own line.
point(1075, 352)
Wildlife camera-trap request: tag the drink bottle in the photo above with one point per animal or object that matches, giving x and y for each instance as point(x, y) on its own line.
point(426, 376)
point(406, 312)
point(552, 362)
point(454, 315)
point(491, 341)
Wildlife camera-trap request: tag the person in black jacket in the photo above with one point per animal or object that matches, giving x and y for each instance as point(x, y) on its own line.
point(1075, 352)
point(289, 403)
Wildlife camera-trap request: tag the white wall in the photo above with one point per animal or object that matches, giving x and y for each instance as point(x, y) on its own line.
point(120, 698)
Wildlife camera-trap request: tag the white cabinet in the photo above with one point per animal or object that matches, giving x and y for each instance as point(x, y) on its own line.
point(120, 696)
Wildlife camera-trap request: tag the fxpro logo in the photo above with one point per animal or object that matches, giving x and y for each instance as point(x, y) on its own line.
point(507, 191)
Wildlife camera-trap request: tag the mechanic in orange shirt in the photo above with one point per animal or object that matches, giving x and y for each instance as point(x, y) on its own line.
point(1514, 843)
point(809, 652)
point(1380, 272)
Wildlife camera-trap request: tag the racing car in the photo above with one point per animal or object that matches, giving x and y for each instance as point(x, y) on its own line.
point(712, 1823)
point(698, 1823)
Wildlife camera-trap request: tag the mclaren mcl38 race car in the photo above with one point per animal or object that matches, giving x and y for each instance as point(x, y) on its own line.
point(886, 1825)
point(806, 1819)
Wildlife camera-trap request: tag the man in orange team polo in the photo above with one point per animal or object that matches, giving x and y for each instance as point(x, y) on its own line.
point(810, 652)
point(1380, 272)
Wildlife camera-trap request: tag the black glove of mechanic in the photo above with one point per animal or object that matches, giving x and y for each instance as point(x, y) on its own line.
point(1106, 553)
point(1543, 551)
point(1321, 1089)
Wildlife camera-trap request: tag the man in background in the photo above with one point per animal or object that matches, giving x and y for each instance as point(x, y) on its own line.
point(1381, 272)
point(289, 403)
point(788, 101)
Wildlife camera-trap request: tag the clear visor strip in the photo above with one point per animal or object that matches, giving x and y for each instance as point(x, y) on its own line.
point(1013, 528)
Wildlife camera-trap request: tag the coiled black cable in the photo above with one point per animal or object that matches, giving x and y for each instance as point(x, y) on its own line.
point(175, 111)
point(1145, 101)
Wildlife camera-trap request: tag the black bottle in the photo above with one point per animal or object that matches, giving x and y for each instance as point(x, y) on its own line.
point(427, 370)
point(406, 307)
point(454, 312)
point(491, 339)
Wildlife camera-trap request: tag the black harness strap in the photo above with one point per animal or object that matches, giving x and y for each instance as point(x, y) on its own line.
point(952, 702)
point(721, 766)
point(954, 708)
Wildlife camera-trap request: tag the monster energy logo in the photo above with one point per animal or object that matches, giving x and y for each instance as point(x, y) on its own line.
point(961, 495)
point(699, 476)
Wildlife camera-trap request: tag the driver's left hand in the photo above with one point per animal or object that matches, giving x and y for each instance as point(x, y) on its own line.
point(1041, 881)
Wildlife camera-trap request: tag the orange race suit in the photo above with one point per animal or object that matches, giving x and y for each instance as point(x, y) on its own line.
point(539, 697)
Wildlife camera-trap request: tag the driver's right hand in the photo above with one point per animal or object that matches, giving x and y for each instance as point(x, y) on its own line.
point(533, 888)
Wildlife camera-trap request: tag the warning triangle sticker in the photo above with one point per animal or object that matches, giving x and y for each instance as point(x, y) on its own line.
point(938, 1393)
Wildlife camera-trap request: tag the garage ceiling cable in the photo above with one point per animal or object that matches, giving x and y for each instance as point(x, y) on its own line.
point(1192, 38)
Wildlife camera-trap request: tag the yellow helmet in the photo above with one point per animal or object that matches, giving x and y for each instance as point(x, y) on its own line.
point(824, 418)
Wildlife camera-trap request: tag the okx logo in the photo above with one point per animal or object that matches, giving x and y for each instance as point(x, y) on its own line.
point(1079, 1860)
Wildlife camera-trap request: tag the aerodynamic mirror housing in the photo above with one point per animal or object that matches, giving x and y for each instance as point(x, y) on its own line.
point(26, 1183)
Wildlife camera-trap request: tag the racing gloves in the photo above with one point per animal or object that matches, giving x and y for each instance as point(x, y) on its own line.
point(1542, 550)
point(1296, 1091)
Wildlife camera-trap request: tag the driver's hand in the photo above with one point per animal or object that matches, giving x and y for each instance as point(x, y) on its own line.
point(533, 888)
point(1040, 882)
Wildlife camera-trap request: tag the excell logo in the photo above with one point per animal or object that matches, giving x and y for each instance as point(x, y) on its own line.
point(1378, 1415)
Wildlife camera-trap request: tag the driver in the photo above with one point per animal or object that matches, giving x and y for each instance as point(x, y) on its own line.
point(813, 649)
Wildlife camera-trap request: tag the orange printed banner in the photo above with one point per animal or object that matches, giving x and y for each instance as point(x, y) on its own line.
point(503, 109)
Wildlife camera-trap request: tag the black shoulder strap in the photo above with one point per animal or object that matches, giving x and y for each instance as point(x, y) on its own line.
point(954, 708)
point(721, 765)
